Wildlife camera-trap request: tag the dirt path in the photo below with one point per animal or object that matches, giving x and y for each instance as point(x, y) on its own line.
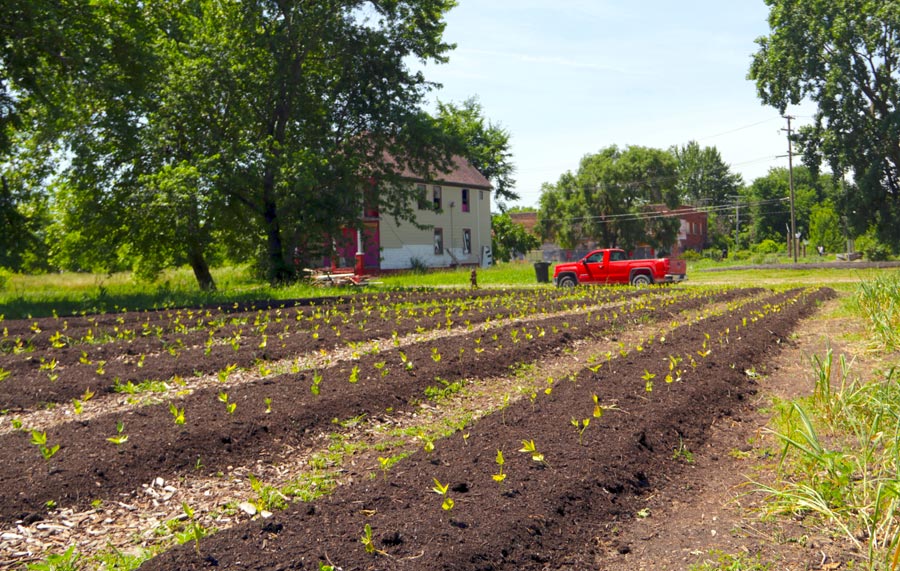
point(710, 512)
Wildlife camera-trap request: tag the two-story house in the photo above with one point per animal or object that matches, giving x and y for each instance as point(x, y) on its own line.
point(455, 211)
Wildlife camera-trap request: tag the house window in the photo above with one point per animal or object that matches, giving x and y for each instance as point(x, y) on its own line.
point(465, 200)
point(480, 195)
point(421, 199)
point(436, 197)
point(438, 241)
point(467, 241)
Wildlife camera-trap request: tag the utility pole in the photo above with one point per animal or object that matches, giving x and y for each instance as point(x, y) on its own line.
point(737, 220)
point(793, 236)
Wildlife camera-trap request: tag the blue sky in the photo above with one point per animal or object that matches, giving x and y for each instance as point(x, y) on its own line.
point(569, 77)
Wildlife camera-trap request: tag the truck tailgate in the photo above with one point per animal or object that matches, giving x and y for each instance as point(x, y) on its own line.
point(677, 267)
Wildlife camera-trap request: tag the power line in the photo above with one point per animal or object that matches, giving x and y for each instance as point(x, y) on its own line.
point(640, 216)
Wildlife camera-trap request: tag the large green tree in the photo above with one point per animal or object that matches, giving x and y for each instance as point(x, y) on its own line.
point(703, 177)
point(768, 199)
point(510, 238)
point(483, 142)
point(611, 200)
point(264, 125)
point(844, 56)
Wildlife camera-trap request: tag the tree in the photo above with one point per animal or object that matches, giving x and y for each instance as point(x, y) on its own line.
point(263, 125)
point(611, 200)
point(844, 56)
point(703, 177)
point(825, 228)
point(483, 143)
point(769, 202)
point(510, 238)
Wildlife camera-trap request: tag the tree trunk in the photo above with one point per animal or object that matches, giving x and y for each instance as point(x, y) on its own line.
point(200, 267)
point(278, 271)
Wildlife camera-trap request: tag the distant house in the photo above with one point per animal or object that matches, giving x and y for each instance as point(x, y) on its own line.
point(692, 235)
point(456, 211)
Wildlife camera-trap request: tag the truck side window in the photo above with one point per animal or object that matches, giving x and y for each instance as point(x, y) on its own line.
point(616, 256)
point(594, 258)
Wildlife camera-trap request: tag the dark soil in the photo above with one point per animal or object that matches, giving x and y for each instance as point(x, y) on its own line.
point(88, 467)
point(555, 514)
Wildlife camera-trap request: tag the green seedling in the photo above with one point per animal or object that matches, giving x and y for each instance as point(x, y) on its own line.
point(4, 374)
point(229, 406)
point(648, 380)
point(368, 542)
point(529, 447)
point(226, 372)
point(354, 375)
point(39, 439)
point(442, 489)
point(580, 426)
point(598, 410)
point(119, 438)
point(194, 530)
point(77, 406)
point(317, 380)
point(268, 403)
point(500, 476)
point(177, 413)
point(435, 356)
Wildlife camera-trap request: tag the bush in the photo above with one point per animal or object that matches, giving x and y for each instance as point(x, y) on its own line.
point(876, 252)
point(713, 254)
point(417, 266)
point(690, 256)
point(767, 246)
point(5, 275)
point(741, 255)
point(871, 249)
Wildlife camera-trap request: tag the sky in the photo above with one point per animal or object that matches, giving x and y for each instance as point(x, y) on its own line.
point(567, 78)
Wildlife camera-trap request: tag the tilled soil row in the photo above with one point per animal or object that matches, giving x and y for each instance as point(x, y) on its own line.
point(97, 368)
point(119, 331)
point(545, 513)
point(141, 523)
point(88, 467)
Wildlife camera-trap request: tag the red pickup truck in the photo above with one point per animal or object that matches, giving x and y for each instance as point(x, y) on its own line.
point(614, 267)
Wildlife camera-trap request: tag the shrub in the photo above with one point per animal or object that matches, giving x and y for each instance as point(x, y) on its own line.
point(873, 250)
point(767, 246)
point(690, 256)
point(5, 275)
point(741, 255)
point(713, 254)
point(417, 266)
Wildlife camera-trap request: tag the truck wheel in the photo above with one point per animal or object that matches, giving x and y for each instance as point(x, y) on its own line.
point(641, 280)
point(566, 281)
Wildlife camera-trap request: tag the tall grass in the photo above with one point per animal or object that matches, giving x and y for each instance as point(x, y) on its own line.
point(841, 459)
point(879, 303)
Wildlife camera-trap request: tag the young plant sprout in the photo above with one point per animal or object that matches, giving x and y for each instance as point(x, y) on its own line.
point(529, 447)
point(442, 489)
point(177, 413)
point(648, 380)
point(39, 439)
point(119, 438)
point(580, 426)
point(500, 476)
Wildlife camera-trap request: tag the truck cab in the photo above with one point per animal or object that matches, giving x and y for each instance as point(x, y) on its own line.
point(612, 266)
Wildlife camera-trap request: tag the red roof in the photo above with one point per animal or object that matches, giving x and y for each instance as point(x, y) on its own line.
point(462, 173)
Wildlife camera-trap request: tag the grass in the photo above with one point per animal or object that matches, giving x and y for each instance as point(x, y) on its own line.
point(74, 293)
point(840, 447)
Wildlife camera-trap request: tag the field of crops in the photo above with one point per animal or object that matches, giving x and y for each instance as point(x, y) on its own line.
point(299, 437)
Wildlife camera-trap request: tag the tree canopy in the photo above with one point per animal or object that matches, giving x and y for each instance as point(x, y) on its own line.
point(484, 143)
point(258, 127)
point(610, 200)
point(844, 56)
point(703, 177)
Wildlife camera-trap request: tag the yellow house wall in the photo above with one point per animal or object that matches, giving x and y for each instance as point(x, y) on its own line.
point(401, 243)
